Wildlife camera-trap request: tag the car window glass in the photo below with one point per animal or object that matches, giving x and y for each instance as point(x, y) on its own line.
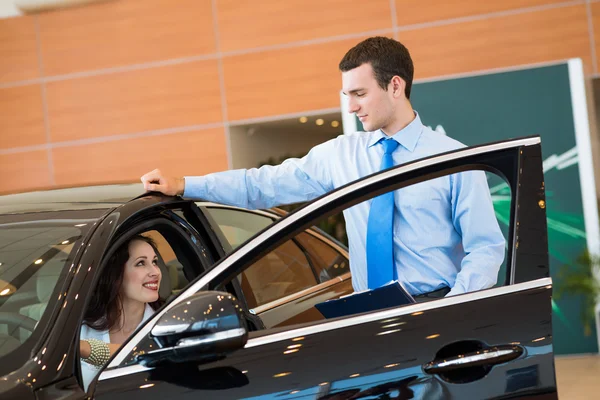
point(34, 257)
point(282, 272)
point(237, 225)
point(326, 260)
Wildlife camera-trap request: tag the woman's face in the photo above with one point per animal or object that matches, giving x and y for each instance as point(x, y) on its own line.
point(141, 278)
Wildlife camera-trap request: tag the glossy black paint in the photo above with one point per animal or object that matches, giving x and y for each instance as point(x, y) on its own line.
point(386, 356)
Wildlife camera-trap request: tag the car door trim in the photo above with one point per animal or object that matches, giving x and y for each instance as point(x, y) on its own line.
point(415, 309)
point(240, 252)
point(317, 288)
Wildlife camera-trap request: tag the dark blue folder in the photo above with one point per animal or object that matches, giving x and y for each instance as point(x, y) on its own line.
point(390, 295)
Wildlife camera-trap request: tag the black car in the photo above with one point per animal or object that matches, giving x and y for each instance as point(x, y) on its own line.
point(261, 276)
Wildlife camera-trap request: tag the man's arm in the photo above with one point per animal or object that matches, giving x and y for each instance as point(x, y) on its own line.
point(293, 181)
point(475, 220)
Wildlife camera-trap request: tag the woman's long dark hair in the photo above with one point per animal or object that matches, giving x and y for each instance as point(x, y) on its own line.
point(106, 306)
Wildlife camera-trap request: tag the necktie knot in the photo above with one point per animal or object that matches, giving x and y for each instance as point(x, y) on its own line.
point(389, 145)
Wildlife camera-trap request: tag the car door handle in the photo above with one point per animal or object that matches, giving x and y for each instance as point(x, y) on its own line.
point(486, 357)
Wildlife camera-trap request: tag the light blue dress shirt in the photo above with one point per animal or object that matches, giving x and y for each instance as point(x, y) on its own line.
point(445, 229)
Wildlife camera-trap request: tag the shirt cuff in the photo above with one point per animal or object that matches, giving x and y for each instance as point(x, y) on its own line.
point(194, 187)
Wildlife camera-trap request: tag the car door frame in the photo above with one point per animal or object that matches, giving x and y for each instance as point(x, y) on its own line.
point(518, 161)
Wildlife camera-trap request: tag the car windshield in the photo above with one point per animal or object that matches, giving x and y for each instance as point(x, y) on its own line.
point(36, 252)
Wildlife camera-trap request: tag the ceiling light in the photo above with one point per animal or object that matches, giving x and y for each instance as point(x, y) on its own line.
point(281, 374)
point(319, 121)
point(433, 336)
point(335, 124)
point(297, 338)
point(303, 120)
point(38, 261)
point(65, 242)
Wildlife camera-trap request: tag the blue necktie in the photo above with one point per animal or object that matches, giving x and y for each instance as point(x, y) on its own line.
point(380, 243)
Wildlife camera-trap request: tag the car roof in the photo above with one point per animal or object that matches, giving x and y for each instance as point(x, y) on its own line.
point(77, 198)
point(85, 198)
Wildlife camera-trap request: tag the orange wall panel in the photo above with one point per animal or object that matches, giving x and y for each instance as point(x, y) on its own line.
point(18, 50)
point(246, 24)
point(134, 101)
point(197, 152)
point(21, 117)
point(533, 37)
point(595, 8)
point(416, 12)
point(284, 81)
point(125, 32)
point(24, 171)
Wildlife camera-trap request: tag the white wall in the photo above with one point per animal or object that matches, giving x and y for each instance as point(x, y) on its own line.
point(8, 9)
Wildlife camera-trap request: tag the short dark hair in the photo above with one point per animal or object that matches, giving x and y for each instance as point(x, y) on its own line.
point(388, 58)
point(105, 308)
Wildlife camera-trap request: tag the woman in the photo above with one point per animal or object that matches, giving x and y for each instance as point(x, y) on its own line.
point(126, 296)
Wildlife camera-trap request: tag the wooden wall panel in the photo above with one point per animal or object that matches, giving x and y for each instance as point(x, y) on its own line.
point(595, 8)
point(18, 50)
point(191, 153)
point(24, 171)
point(553, 34)
point(290, 77)
point(416, 12)
point(125, 32)
point(21, 117)
point(134, 101)
point(245, 24)
point(284, 81)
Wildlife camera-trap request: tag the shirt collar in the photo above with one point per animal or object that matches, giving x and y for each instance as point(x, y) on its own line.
point(406, 137)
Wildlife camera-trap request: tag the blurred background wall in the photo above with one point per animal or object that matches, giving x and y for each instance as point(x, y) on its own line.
point(106, 92)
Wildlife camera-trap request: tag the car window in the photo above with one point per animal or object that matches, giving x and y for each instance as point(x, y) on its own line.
point(36, 256)
point(294, 266)
point(282, 272)
point(238, 225)
point(326, 260)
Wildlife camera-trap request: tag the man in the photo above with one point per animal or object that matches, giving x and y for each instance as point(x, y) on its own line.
point(445, 239)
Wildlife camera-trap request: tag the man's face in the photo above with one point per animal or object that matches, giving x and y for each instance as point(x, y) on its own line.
point(371, 104)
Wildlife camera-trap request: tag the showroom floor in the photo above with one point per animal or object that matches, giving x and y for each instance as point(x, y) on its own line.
point(578, 377)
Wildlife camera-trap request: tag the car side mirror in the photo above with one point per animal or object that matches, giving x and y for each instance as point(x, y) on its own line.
point(204, 327)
